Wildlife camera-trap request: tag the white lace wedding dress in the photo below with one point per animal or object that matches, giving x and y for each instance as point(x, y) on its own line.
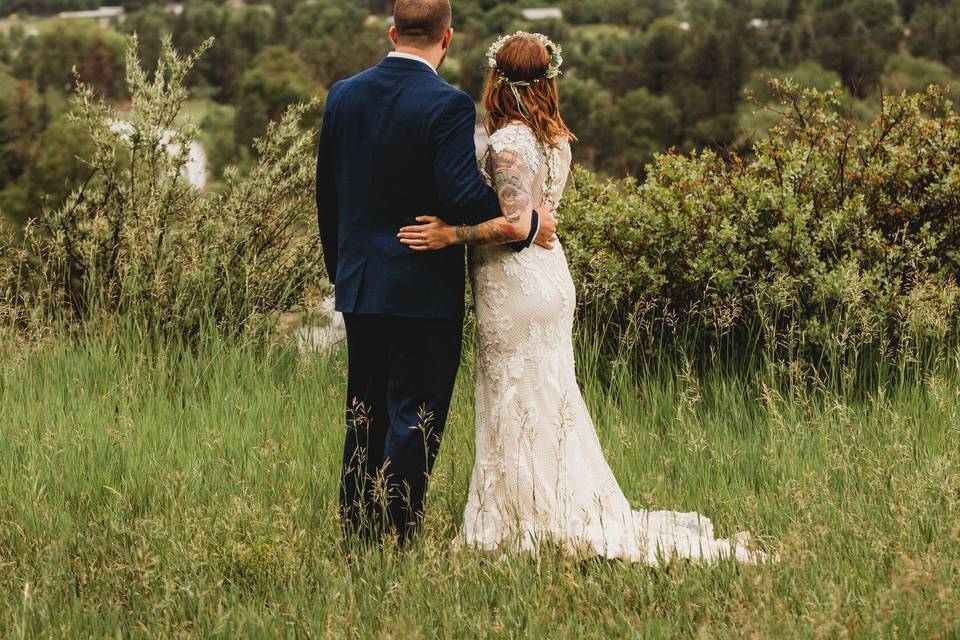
point(540, 473)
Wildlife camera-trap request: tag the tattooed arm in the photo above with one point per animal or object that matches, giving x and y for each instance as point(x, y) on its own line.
point(513, 181)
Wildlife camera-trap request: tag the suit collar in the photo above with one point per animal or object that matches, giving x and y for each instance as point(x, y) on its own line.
point(406, 64)
point(410, 56)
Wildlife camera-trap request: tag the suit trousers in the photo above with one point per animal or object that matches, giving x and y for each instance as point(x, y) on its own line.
point(401, 373)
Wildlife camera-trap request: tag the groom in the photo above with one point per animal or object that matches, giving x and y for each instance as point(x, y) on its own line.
point(396, 143)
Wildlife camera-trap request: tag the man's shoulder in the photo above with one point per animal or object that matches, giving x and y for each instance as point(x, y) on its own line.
point(457, 96)
point(435, 86)
point(423, 88)
point(450, 100)
point(342, 86)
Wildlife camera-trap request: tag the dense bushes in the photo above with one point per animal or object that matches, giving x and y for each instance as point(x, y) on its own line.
point(829, 239)
point(137, 240)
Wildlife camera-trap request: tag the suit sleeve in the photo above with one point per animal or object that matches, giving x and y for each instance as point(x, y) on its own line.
point(327, 212)
point(465, 197)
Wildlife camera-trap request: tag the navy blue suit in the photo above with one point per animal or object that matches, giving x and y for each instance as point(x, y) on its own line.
point(396, 143)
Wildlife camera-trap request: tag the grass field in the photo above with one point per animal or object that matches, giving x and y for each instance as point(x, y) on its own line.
point(155, 491)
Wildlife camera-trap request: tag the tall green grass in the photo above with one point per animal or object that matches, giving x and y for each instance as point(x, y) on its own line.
point(151, 489)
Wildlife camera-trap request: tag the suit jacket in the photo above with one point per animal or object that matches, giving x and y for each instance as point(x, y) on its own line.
point(397, 142)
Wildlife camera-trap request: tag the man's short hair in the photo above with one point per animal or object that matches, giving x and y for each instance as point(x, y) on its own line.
point(421, 22)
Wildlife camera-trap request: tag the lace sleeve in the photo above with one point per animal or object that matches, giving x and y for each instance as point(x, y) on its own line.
point(509, 165)
point(513, 178)
point(519, 140)
point(548, 166)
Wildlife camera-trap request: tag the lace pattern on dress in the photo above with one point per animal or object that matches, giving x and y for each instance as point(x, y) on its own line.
point(551, 178)
point(540, 472)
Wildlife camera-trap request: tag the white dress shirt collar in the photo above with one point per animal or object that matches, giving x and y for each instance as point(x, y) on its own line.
point(410, 56)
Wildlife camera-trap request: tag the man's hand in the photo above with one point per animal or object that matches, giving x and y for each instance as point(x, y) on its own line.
point(431, 234)
point(547, 233)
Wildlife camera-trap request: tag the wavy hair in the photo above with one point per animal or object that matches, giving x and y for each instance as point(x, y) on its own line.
point(517, 89)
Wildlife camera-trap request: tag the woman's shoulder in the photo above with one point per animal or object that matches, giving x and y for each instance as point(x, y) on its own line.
point(511, 133)
point(517, 139)
point(514, 132)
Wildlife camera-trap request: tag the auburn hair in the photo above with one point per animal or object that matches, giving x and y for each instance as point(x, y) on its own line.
point(523, 58)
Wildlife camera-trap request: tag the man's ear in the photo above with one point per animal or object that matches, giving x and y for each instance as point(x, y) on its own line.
point(447, 38)
point(393, 35)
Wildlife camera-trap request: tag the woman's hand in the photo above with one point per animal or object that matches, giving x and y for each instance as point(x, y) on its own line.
point(432, 234)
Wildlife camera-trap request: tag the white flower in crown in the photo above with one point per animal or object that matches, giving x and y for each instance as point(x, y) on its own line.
point(555, 51)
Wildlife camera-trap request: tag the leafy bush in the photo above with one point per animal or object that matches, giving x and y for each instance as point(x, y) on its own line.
point(904, 72)
point(831, 238)
point(137, 240)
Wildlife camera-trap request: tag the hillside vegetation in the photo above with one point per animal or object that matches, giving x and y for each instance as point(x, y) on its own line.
point(639, 76)
point(768, 337)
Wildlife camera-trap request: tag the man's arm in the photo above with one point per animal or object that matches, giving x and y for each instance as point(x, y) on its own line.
point(464, 197)
point(327, 212)
point(514, 184)
point(519, 226)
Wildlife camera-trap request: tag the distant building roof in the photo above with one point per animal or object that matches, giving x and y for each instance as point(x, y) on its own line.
point(93, 14)
point(534, 15)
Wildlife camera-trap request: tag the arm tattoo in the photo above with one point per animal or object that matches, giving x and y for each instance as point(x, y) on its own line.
point(467, 233)
point(513, 184)
point(513, 181)
point(489, 232)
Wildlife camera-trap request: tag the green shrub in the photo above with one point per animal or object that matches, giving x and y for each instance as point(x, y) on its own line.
point(137, 240)
point(830, 239)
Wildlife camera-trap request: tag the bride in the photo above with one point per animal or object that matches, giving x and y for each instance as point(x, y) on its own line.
point(540, 473)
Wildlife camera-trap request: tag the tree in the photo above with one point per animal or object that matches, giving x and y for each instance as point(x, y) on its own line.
point(6, 48)
point(855, 38)
point(334, 39)
point(641, 124)
point(611, 58)
point(54, 170)
point(277, 79)
point(708, 87)
point(755, 119)
point(19, 123)
point(149, 25)
point(935, 33)
point(625, 12)
point(200, 20)
point(665, 42)
point(586, 107)
point(905, 73)
point(96, 54)
point(248, 31)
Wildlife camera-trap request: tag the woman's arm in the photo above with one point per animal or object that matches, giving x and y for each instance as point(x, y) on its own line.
point(513, 180)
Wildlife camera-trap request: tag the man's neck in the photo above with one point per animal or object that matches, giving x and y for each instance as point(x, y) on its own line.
point(432, 56)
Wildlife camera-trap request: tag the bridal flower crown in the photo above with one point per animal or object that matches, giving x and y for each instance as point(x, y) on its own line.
point(556, 58)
